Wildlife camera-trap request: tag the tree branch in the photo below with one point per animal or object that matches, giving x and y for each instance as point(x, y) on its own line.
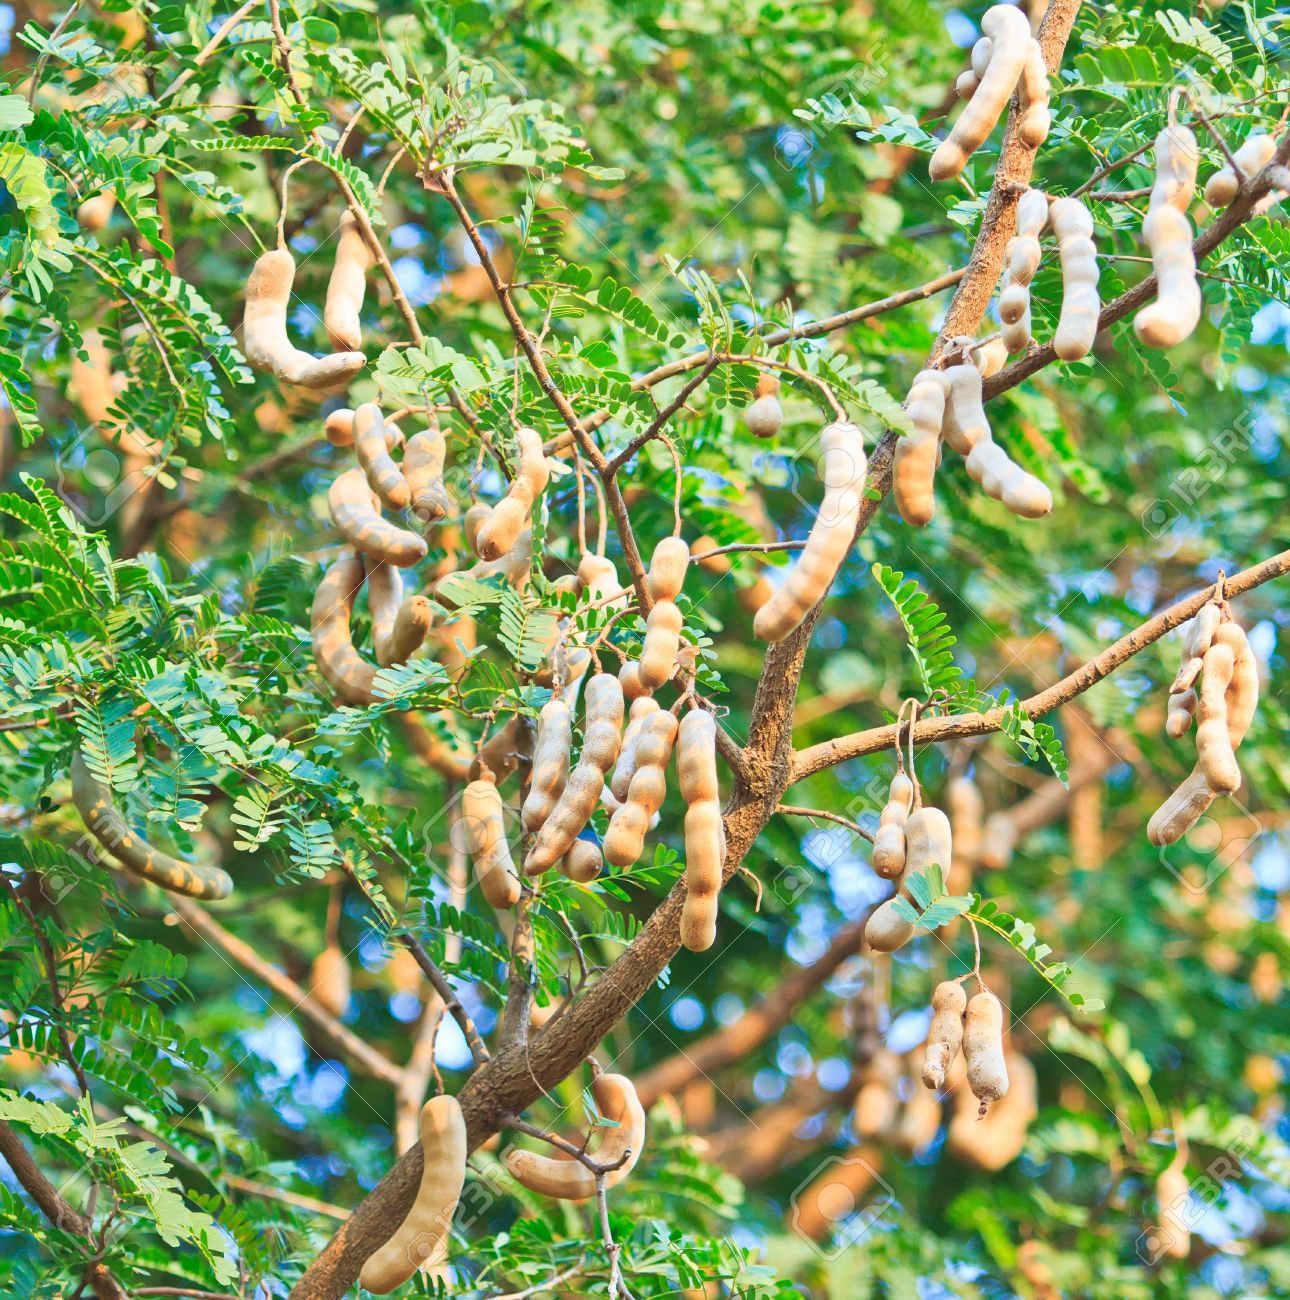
point(931, 730)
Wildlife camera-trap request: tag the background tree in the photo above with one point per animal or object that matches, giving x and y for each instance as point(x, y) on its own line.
point(608, 223)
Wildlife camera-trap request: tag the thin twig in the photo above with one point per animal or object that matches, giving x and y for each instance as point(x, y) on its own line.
point(793, 810)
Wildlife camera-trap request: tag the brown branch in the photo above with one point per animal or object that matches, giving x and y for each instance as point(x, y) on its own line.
point(932, 730)
point(659, 422)
point(349, 1044)
point(439, 981)
point(298, 1199)
point(519, 985)
point(793, 810)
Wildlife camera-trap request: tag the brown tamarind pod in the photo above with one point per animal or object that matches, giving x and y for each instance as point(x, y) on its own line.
point(696, 768)
point(888, 856)
point(423, 459)
point(600, 743)
point(550, 763)
point(507, 750)
point(641, 707)
point(384, 477)
point(1215, 756)
point(583, 862)
point(987, 1074)
point(498, 533)
point(483, 820)
point(765, 416)
point(264, 330)
point(105, 821)
point(399, 624)
point(945, 1034)
point(342, 667)
point(625, 838)
point(353, 511)
point(346, 287)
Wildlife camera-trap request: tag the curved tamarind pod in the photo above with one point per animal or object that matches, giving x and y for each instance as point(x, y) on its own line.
point(550, 763)
point(1182, 708)
point(329, 980)
point(1200, 631)
point(421, 1241)
point(485, 826)
point(1243, 693)
point(928, 840)
point(342, 667)
point(499, 532)
point(765, 416)
point(568, 1180)
point(998, 841)
point(264, 330)
point(1215, 757)
point(625, 838)
point(641, 707)
point(515, 566)
point(696, 768)
point(1252, 156)
point(1077, 325)
point(987, 1073)
point(888, 856)
point(338, 429)
point(599, 578)
point(1009, 35)
point(384, 597)
point(105, 821)
point(384, 477)
point(830, 539)
point(412, 625)
point(945, 1034)
point(918, 453)
point(968, 432)
point(600, 744)
point(1185, 677)
point(423, 459)
point(1035, 119)
point(1168, 232)
point(473, 521)
point(583, 862)
point(346, 287)
point(967, 811)
point(353, 511)
point(1022, 261)
point(886, 930)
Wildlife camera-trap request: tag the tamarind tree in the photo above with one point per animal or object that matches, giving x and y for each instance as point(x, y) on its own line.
point(396, 398)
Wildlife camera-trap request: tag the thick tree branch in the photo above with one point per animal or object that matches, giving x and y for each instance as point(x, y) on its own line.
point(931, 730)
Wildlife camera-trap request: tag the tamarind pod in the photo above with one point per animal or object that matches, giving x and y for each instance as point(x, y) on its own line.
point(1215, 757)
point(342, 667)
point(1172, 1192)
point(568, 1180)
point(1243, 693)
point(384, 477)
point(696, 768)
point(667, 568)
point(1185, 677)
point(1181, 810)
point(485, 828)
point(752, 598)
point(662, 641)
point(499, 532)
point(641, 707)
point(1035, 119)
point(329, 980)
point(945, 1034)
point(629, 676)
point(830, 538)
point(886, 930)
point(998, 841)
point(94, 213)
point(928, 839)
point(514, 567)
point(353, 511)
point(625, 838)
point(764, 417)
point(264, 330)
point(1200, 631)
point(888, 856)
point(967, 811)
point(600, 745)
point(583, 862)
point(346, 287)
point(1009, 34)
point(966, 83)
point(1167, 232)
point(991, 357)
point(696, 757)
point(550, 763)
point(1251, 157)
point(982, 49)
point(917, 453)
point(599, 578)
point(105, 821)
point(421, 1241)
point(384, 596)
point(509, 748)
point(423, 459)
point(1182, 708)
point(987, 1074)
point(473, 521)
point(412, 623)
point(1081, 306)
point(338, 428)
point(1022, 256)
